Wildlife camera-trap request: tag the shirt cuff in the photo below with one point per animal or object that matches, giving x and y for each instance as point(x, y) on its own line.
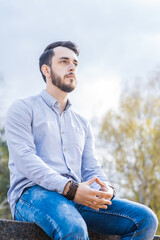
point(59, 185)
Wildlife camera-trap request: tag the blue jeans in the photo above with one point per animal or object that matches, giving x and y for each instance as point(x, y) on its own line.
point(64, 219)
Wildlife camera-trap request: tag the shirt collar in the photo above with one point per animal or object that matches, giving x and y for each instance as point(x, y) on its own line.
point(51, 101)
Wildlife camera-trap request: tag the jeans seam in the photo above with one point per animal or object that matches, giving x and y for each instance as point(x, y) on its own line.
point(115, 214)
point(16, 210)
point(55, 225)
point(134, 234)
point(123, 215)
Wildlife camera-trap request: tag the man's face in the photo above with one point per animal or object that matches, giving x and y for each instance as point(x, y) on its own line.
point(63, 69)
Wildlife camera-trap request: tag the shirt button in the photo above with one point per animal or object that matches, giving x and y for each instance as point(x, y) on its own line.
point(64, 149)
point(62, 132)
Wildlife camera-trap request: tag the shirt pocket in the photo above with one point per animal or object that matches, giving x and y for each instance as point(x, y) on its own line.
point(79, 139)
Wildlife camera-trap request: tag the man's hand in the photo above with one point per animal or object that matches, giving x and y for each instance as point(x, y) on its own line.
point(94, 198)
point(105, 187)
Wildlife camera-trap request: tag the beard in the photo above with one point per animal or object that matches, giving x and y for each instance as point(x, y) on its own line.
point(57, 81)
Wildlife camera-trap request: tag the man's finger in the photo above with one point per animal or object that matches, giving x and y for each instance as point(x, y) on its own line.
point(101, 201)
point(103, 194)
point(93, 207)
point(89, 182)
point(97, 207)
point(99, 182)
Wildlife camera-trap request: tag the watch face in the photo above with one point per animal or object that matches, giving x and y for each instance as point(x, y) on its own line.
point(114, 191)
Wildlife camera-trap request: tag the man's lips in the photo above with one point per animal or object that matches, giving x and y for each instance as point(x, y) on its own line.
point(70, 76)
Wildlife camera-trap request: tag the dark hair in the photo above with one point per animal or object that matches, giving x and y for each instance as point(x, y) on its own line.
point(46, 57)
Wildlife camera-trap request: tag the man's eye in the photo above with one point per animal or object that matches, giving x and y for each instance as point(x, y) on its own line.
point(63, 61)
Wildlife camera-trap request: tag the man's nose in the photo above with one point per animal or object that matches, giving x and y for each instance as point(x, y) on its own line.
point(72, 67)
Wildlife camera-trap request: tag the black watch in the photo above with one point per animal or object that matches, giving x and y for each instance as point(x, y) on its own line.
point(114, 191)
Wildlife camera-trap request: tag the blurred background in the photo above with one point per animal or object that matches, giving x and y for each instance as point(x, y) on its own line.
point(118, 86)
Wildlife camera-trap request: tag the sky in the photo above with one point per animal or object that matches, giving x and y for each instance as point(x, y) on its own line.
point(118, 41)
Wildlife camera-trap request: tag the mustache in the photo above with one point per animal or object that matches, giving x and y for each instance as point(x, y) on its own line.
point(70, 75)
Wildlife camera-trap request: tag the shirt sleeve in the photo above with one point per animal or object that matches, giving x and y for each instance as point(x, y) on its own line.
point(22, 150)
point(90, 165)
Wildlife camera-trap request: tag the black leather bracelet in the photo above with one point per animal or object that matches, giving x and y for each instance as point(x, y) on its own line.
point(72, 190)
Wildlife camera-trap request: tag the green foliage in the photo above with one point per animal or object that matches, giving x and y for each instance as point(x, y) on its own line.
point(4, 172)
point(4, 178)
point(132, 136)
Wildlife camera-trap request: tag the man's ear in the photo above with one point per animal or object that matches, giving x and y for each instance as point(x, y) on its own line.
point(45, 70)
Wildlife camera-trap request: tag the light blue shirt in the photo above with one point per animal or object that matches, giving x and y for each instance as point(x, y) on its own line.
point(47, 148)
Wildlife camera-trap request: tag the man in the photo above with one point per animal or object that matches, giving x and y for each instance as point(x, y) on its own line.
point(51, 149)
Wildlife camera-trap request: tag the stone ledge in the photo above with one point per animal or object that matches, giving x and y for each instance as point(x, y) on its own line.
point(14, 230)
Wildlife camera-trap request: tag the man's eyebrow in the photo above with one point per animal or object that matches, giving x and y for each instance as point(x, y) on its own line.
point(66, 58)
